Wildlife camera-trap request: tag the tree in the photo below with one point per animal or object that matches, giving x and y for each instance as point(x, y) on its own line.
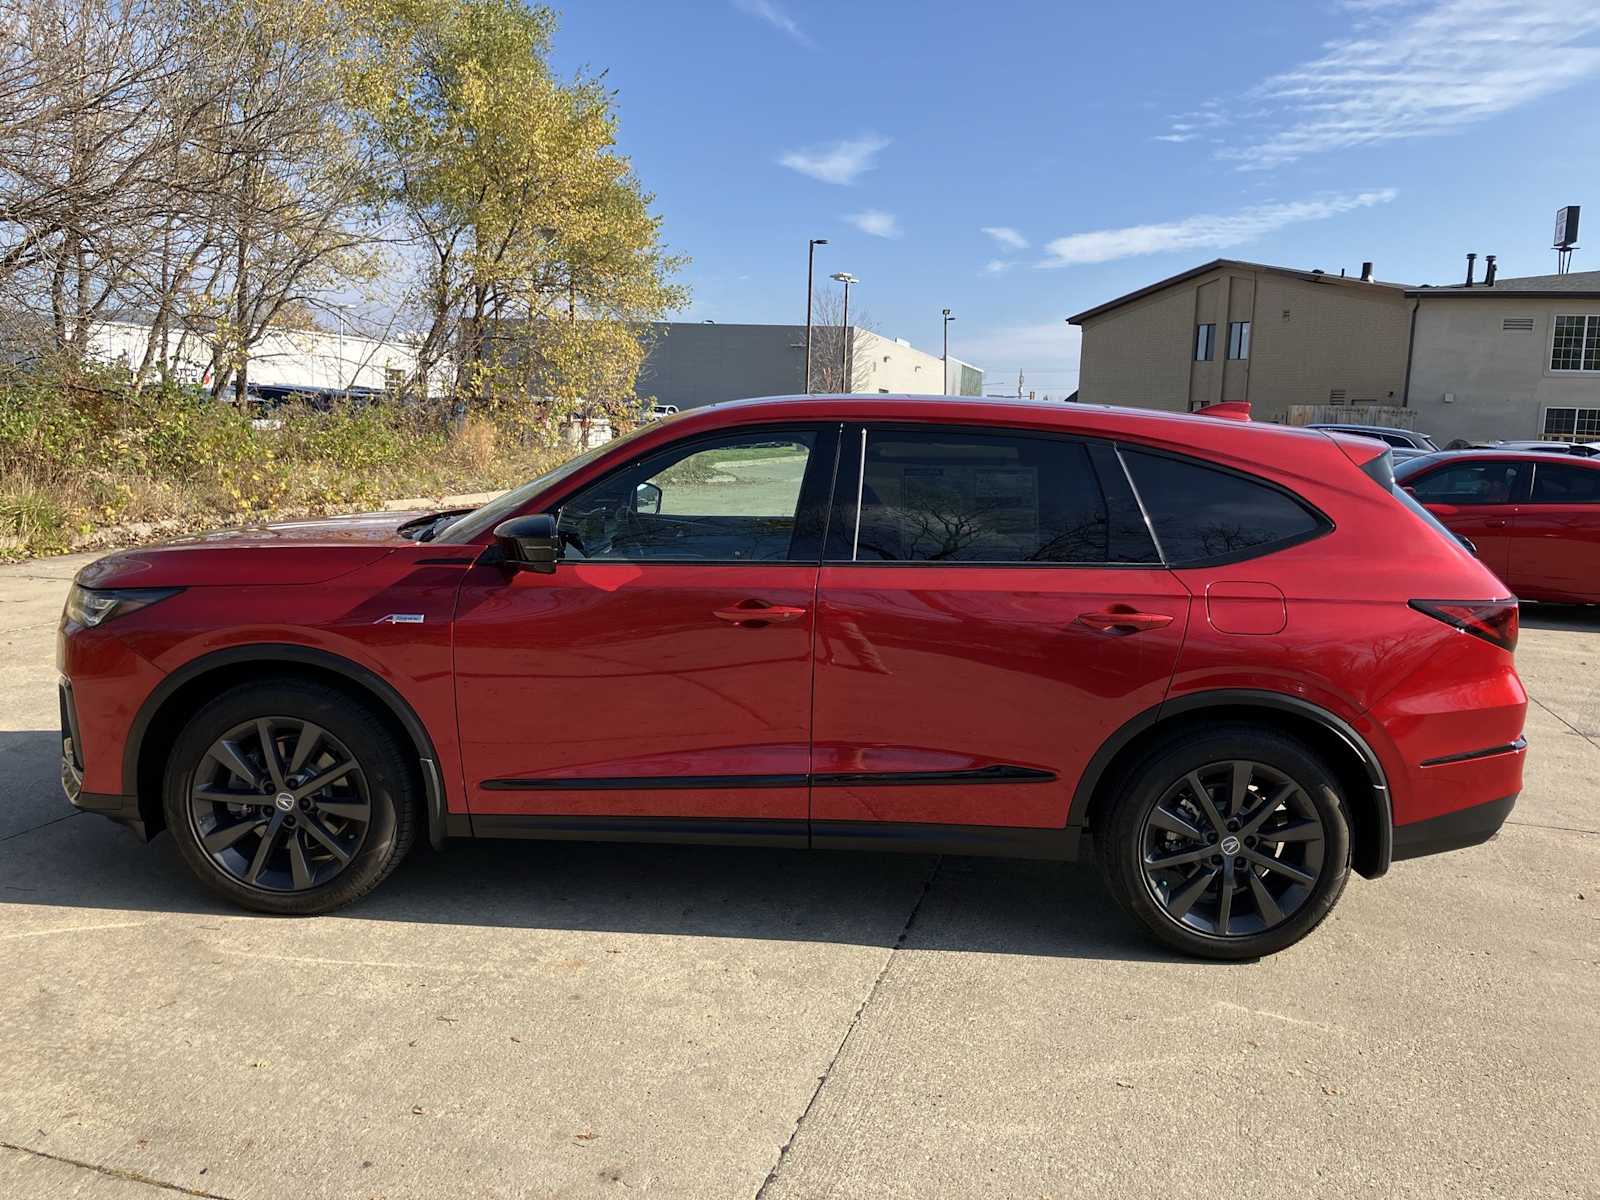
point(538, 259)
point(829, 370)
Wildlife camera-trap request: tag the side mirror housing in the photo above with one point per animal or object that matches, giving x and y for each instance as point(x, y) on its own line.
point(529, 543)
point(647, 499)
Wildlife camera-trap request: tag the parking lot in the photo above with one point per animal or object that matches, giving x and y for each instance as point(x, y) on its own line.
point(525, 1019)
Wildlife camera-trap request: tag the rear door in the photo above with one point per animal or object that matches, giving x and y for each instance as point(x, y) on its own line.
point(990, 610)
point(1478, 498)
point(1555, 542)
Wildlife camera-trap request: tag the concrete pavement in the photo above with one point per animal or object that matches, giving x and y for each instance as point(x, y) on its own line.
point(565, 1020)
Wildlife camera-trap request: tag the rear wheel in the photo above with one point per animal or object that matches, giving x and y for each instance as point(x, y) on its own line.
point(289, 797)
point(1228, 843)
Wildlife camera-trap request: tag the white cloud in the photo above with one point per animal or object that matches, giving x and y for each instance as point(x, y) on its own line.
point(839, 163)
point(1006, 236)
point(1417, 71)
point(1207, 231)
point(769, 12)
point(997, 266)
point(876, 222)
point(1175, 137)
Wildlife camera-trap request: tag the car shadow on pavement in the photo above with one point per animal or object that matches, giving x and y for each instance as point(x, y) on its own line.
point(50, 857)
point(1572, 618)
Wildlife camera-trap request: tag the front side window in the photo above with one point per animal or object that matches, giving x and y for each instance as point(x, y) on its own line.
point(1469, 483)
point(1205, 343)
point(1576, 344)
point(1238, 339)
point(957, 497)
point(1555, 483)
point(1205, 515)
point(730, 499)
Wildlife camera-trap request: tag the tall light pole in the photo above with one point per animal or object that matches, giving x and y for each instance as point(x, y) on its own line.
point(847, 279)
point(811, 254)
point(945, 362)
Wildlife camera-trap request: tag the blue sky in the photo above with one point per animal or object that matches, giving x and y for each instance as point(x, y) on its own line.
point(1021, 160)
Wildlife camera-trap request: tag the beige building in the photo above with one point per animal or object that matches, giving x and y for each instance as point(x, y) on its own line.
point(1231, 330)
point(1518, 358)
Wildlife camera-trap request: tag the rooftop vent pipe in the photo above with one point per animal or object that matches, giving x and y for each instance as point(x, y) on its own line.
point(1488, 270)
point(1472, 265)
point(1366, 272)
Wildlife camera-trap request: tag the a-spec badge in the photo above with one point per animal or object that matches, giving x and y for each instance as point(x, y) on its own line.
point(401, 619)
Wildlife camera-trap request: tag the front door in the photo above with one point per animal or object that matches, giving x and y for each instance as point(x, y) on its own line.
point(996, 614)
point(1555, 544)
point(664, 669)
point(1477, 498)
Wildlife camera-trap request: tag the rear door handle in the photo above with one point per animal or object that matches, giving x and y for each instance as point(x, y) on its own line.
point(1495, 524)
point(1132, 622)
point(754, 612)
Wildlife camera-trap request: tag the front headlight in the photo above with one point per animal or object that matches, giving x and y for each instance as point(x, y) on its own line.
point(93, 606)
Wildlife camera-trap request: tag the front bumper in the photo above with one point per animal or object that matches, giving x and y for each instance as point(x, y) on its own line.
point(122, 809)
point(1452, 831)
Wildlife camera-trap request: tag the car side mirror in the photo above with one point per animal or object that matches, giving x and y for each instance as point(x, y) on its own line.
point(647, 499)
point(529, 543)
point(1410, 491)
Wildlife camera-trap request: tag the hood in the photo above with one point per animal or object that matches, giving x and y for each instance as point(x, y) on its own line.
point(285, 553)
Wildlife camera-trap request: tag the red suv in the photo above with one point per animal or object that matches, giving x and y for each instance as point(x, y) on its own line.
point(1231, 661)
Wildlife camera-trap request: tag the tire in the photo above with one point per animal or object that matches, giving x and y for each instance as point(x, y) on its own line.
point(1168, 861)
point(264, 835)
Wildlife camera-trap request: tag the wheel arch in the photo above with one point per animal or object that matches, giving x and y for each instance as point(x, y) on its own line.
point(1360, 774)
point(178, 696)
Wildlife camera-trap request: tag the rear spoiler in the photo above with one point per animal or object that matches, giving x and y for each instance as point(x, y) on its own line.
point(1228, 410)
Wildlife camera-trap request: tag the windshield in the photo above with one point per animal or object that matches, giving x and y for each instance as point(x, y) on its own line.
point(465, 528)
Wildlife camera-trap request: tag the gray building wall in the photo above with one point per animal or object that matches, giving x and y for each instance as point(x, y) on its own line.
point(1498, 380)
point(692, 365)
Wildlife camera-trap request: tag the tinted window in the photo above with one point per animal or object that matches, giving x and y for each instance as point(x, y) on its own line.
point(1468, 483)
point(1555, 484)
point(952, 496)
point(1202, 514)
point(732, 499)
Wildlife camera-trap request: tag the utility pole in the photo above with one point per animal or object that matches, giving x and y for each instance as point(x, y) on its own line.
point(847, 279)
point(945, 361)
point(811, 254)
point(1019, 383)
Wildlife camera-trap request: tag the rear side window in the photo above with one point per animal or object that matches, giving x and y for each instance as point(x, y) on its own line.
point(1554, 483)
point(1468, 483)
point(950, 496)
point(1204, 515)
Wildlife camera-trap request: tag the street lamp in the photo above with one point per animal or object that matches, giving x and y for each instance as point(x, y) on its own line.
point(811, 254)
point(945, 362)
point(847, 279)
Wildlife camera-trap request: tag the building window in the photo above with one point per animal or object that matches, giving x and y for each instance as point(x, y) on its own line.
point(1238, 339)
point(1576, 346)
point(1205, 343)
point(1572, 424)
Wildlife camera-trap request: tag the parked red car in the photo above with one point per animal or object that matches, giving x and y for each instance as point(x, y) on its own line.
point(1232, 660)
point(1534, 517)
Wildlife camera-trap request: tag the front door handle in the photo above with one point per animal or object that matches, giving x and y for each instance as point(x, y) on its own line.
point(1495, 524)
point(1130, 622)
point(755, 613)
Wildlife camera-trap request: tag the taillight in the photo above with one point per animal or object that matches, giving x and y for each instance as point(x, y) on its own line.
point(1495, 621)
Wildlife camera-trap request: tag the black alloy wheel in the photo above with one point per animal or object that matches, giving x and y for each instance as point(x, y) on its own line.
point(279, 803)
point(290, 795)
point(1233, 849)
point(1226, 841)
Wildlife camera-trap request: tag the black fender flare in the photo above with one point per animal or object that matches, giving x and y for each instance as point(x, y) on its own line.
point(1083, 794)
point(270, 654)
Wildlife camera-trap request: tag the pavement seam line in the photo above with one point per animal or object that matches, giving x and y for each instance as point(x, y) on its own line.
point(121, 1173)
point(822, 1080)
point(1563, 720)
point(43, 825)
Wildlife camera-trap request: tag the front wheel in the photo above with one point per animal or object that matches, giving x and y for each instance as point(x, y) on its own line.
point(1228, 843)
point(289, 797)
